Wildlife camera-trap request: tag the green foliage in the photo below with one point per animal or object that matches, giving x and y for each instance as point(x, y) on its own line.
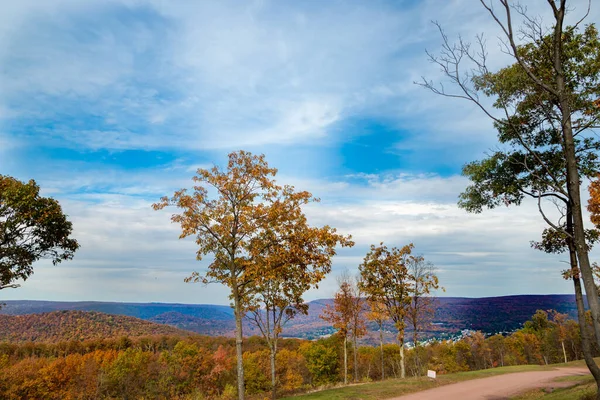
point(531, 160)
point(256, 372)
point(322, 362)
point(31, 227)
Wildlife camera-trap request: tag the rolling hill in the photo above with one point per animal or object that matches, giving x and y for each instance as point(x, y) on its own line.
point(453, 314)
point(59, 326)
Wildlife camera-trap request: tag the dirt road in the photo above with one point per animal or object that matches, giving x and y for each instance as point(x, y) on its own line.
point(498, 387)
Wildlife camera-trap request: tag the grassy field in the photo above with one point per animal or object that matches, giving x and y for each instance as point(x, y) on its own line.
point(396, 387)
point(585, 389)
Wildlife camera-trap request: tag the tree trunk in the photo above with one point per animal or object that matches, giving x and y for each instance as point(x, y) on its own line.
point(416, 349)
point(355, 361)
point(573, 189)
point(573, 178)
point(238, 342)
point(345, 360)
point(273, 376)
point(402, 368)
point(578, 231)
point(381, 351)
point(562, 342)
point(586, 343)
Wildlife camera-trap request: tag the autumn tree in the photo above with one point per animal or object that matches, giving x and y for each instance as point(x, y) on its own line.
point(298, 258)
point(548, 96)
point(594, 201)
point(385, 279)
point(422, 305)
point(240, 216)
point(32, 227)
point(560, 323)
point(341, 314)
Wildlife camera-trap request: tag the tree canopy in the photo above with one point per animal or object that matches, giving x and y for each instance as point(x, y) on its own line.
point(32, 227)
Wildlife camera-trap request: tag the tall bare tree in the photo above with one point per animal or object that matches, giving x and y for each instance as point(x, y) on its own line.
point(549, 93)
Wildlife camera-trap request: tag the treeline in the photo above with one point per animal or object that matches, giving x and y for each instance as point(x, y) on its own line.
point(170, 367)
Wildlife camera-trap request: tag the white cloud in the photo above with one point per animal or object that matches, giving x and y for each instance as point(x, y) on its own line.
point(200, 78)
point(131, 252)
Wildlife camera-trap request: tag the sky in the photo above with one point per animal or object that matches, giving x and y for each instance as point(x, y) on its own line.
point(111, 104)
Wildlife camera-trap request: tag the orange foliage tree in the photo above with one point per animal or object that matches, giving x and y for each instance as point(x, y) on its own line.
point(340, 315)
point(385, 278)
point(295, 258)
point(251, 226)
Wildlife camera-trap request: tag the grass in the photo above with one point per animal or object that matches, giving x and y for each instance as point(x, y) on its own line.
point(584, 389)
point(397, 387)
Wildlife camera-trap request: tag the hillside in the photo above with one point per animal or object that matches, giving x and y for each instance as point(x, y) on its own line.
point(60, 326)
point(453, 314)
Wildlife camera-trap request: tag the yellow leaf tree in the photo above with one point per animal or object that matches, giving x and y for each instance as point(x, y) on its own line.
point(251, 226)
point(342, 315)
point(292, 257)
point(385, 279)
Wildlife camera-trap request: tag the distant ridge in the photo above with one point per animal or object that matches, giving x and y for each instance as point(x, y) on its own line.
point(453, 314)
point(59, 326)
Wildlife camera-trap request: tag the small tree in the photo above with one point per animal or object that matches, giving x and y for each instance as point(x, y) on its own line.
point(422, 305)
point(385, 279)
point(32, 227)
point(340, 315)
point(560, 321)
point(244, 227)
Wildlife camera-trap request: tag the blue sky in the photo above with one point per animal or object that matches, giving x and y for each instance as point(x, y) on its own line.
point(111, 104)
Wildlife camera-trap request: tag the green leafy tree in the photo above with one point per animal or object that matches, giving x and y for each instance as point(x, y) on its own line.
point(547, 103)
point(32, 227)
point(321, 361)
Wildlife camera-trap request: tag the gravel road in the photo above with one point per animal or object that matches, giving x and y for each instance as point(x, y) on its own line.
point(498, 387)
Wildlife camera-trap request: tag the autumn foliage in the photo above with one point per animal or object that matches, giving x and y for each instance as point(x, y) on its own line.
point(175, 367)
point(60, 326)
